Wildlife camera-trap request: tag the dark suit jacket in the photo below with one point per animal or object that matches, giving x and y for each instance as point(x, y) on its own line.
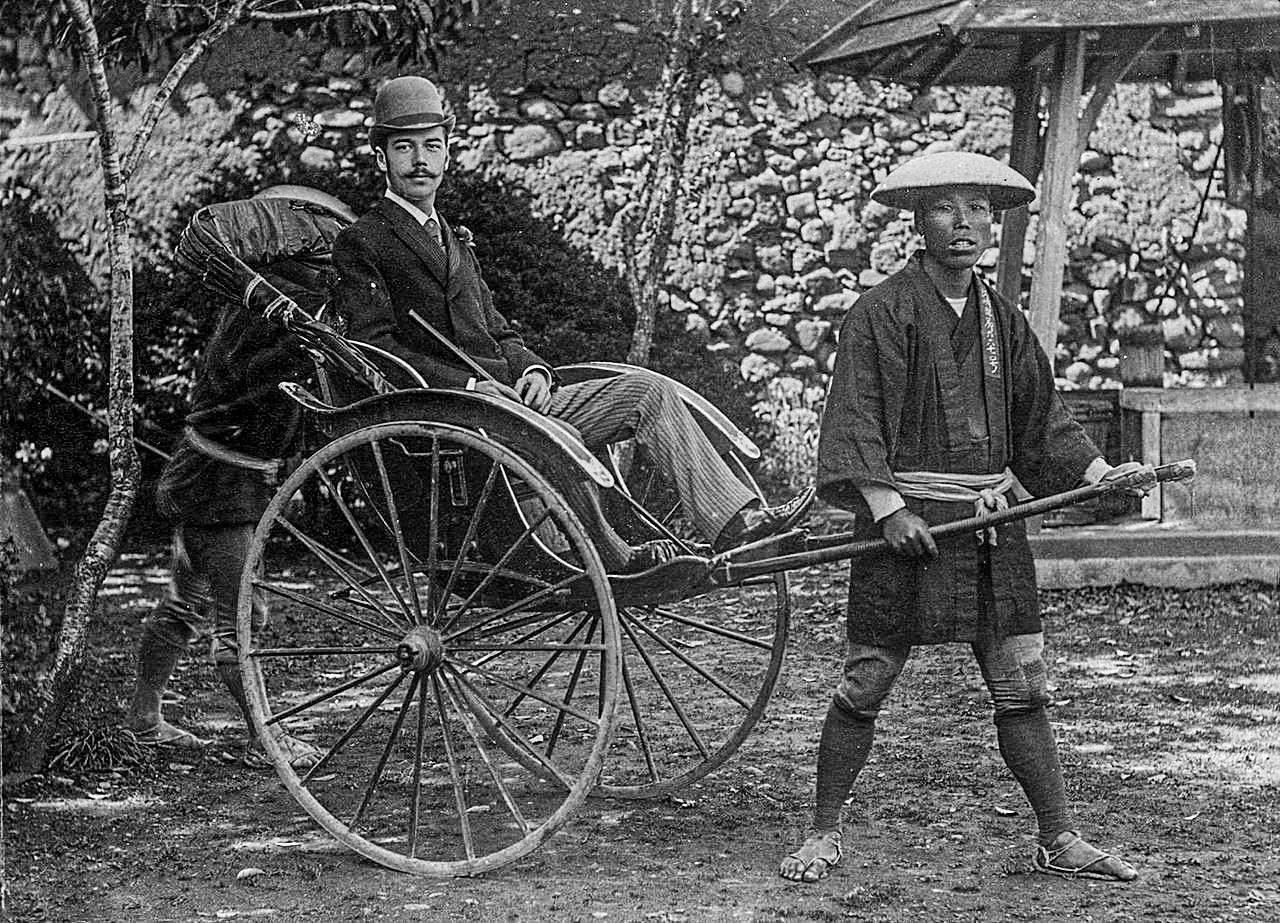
point(388, 264)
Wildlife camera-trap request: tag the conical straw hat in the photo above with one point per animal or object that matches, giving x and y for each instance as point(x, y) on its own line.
point(1006, 187)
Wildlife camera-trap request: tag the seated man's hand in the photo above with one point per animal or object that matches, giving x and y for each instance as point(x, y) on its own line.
point(497, 389)
point(908, 534)
point(1145, 477)
point(534, 389)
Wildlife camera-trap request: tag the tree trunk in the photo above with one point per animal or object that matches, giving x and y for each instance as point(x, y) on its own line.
point(57, 687)
point(647, 230)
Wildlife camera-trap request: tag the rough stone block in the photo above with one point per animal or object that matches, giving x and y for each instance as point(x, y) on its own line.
point(529, 142)
point(1227, 331)
point(802, 205)
point(588, 136)
point(810, 333)
point(1182, 332)
point(1094, 162)
point(339, 117)
point(756, 368)
point(318, 158)
point(835, 303)
point(815, 231)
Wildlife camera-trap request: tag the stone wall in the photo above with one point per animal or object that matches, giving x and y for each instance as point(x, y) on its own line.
point(776, 237)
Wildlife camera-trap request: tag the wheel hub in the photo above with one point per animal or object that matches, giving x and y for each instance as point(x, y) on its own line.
point(421, 650)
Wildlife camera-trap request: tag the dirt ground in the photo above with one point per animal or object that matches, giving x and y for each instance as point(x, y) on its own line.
point(1167, 710)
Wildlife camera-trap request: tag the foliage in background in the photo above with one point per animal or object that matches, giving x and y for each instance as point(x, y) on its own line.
point(789, 414)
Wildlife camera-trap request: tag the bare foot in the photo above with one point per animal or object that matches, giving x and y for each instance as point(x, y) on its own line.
point(299, 753)
point(1070, 856)
point(814, 860)
point(164, 734)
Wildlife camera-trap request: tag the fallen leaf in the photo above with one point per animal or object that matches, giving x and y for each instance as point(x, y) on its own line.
point(248, 874)
point(1005, 812)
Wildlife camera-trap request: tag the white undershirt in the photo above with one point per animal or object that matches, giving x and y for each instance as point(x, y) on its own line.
point(414, 211)
point(957, 304)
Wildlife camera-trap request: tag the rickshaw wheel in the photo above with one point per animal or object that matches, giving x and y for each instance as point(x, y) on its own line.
point(427, 611)
point(697, 674)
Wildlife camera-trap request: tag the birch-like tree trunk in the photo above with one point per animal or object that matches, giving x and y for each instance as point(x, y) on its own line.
point(56, 687)
point(648, 224)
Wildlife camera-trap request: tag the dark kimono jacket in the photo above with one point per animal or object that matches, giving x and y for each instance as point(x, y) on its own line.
point(917, 389)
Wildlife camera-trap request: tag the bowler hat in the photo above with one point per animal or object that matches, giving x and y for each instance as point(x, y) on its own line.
point(1006, 187)
point(407, 104)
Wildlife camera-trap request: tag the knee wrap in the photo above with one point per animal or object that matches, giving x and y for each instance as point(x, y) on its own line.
point(1027, 693)
point(173, 624)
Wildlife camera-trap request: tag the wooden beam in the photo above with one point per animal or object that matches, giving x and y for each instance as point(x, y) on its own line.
point(1024, 156)
point(1061, 161)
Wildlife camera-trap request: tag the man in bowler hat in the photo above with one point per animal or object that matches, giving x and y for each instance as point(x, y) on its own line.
point(403, 257)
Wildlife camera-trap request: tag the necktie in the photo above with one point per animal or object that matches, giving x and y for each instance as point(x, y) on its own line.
point(434, 230)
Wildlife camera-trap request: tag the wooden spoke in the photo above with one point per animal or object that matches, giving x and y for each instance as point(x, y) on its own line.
point(354, 728)
point(393, 511)
point(415, 805)
point(476, 698)
point(316, 651)
point(469, 722)
point(662, 684)
point(451, 754)
point(547, 626)
point(516, 606)
point(729, 633)
point(542, 671)
point(329, 694)
point(322, 553)
point(473, 526)
point(687, 661)
point(645, 749)
point(364, 542)
point(433, 528)
point(574, 677)
point(544, 646)
point(463, 666)
point(502, 562)
point(331, 611)
point(386, 752)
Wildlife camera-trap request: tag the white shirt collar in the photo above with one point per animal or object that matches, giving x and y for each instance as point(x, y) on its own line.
point(414, 211)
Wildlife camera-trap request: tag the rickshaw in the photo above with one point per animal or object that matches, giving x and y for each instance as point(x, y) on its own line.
point(449, 628)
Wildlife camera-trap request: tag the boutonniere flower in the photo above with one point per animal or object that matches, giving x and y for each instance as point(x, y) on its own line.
point(464, 235)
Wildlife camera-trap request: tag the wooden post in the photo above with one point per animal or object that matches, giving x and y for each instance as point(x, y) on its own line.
point(1024, 156)
point(1060, 163)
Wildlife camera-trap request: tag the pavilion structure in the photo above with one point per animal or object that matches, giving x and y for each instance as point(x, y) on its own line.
point(1075, 52)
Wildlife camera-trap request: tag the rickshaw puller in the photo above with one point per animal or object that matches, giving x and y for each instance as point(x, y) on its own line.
point(940, 396)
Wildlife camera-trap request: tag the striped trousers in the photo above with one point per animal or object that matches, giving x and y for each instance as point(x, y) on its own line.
point(640, 406)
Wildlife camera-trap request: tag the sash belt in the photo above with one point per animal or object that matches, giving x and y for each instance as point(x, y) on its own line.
point(216, 450)
point(985, 491)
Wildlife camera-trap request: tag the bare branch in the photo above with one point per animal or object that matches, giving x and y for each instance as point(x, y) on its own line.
point(268, 16)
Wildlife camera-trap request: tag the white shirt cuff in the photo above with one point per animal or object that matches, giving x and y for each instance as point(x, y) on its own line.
point(543, 369)
point(1097, 468)
point(883, 501)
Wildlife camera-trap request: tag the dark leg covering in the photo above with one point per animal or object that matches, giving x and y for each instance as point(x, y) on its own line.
point(1030, 752)
point(842, 752)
